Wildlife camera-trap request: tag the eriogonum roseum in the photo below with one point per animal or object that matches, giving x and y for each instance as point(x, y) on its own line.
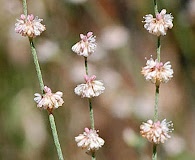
point(159, 25)
point(29, 26)
point(86, 46)
point(91, 88)
point(89, 140)
point(157, 72)
point(156, 132)
point(49, 100)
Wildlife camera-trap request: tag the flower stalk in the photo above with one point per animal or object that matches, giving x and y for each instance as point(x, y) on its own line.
point(154, 152)
point(55, 136)
point(89, 100)
point(36, 62)
point(39, 75)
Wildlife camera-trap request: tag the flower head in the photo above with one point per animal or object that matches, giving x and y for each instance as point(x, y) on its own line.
point(49, 100)
point(89, 140)
point(157, 72)
point(91, 88)
point(86, 46)
point(159, 25)
point(29, 26)
point(156, 132)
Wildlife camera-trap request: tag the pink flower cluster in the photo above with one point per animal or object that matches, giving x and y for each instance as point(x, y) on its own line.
point(49, 100)
point(92, 87)
point(29, 26)
point(89, 140)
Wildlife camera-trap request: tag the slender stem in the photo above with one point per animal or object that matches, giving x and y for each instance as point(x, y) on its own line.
point(91, 114)
point(158, 48)
point(156, 103)
point(155, 7)
point(55, 136)
point(154, 155)
point(36, 62)
point(90, 109)
point(24, 7)
point(86, 66)
point(39, 75)
point(93, 156)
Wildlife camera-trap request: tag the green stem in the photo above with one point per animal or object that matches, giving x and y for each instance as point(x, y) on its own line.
point(86, 66)
point(55, 136)
point(93, 156)
point(90, 109)
point(158, 48)
point(154, 155)
point(39, 75)
point(156, 103)
point(36, 62)
point(155, 7)
point(91, 114)
point(24, 7)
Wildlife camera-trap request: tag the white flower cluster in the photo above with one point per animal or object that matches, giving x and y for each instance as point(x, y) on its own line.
point(86, 46)
point(92, 87)
point(156, 132)
point(29, 26)
point(157, 72)
point(49, 100)
point(159, 25)
point(89, 140)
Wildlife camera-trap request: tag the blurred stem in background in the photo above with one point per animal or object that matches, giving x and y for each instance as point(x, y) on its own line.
point(39, 75)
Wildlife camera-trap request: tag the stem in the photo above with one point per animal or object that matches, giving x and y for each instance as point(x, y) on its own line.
point(154, 155)
point(158, 49)
point(93, 156)
point(91, 114)
point(90, 109)
point(55, 136)
point(36, 62)
point(155, 7)
point(156, 103)
point(24, 7)
point(86, 66)
point(39, 75)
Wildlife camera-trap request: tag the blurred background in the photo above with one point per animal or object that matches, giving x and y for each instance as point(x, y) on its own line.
point(122, 45)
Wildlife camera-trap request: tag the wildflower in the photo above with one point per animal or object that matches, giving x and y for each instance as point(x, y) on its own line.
point(92, 88)
point(49, 100)
point(159, 25)
point(157, 72)
point(156, 132)
point(86, 46)
point(89, 140)
point(29, 26)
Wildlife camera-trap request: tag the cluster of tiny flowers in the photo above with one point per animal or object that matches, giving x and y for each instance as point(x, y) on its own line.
point(29, 26)
point(159, 25)
point(157, 72)
point(89, 140)
point(86, 46)
point(49, 100)
point(156, 132)
point(92, 87)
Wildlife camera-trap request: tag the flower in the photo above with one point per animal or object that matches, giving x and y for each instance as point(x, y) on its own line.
point(89, 140)
point(159, 25)
point(86, 46)
point(156, 132)
point(49, 100)
point(29, 26)
point(157, 72)
point(92, 88)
